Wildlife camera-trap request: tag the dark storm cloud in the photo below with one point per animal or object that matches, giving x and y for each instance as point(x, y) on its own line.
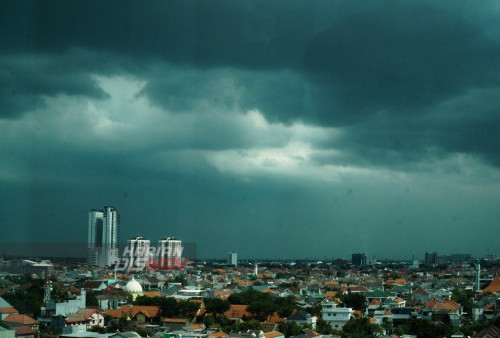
point(26, 81)
point(380, 70)
point(249, 33)
point(397, 60)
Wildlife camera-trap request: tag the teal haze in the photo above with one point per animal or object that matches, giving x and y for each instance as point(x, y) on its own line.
point(275, 129)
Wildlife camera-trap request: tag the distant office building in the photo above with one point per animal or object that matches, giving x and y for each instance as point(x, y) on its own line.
point(359, 259)
point(415, 265)
point(460, 258)
point(431, 258)
point(232, 259)
point(26, 266)
point(491, 257)
point(103, 237)
point(170, 252)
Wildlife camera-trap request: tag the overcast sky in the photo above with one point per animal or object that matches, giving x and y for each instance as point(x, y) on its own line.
point(270, 128)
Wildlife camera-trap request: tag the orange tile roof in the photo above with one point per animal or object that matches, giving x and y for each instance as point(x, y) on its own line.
point(331, 293)
point(153, 294)
point(115, 313)
point(373, 320)
point(359, 288)
point(240, 282)
point(450, 304)
point(375, 301)
point(218, 334)
point(20, 319)
point(148, 311)
point(134, 310)
point(400, 281)
point(237, 311)
point(272, 334)
point(222, 294)
point(275, 318)
point(80, 315)
point(175, 320)
point(23, 330)
point(269, 291)
point(8, 309)
point(494, 285)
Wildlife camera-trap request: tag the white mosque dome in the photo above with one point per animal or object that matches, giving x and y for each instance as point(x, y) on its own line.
point(133, 286)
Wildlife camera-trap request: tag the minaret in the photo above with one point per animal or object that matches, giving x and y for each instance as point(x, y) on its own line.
point(256, 274)
point(46, 292)
point(478, 276)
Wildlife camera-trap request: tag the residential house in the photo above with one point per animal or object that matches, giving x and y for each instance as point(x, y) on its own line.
point(337, 317)
point(138, 313)
point(237, 313)
point(302, 318)
point(6, 309)
point(22, 324)
point(111, 301)
point(173, 324)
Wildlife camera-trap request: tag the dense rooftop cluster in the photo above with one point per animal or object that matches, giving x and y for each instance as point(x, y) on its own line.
point(271, 299)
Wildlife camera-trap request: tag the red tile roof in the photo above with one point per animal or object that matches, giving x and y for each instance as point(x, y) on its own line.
point(358, 288)
point(20, 319)
point(237, 311)
point(23, 330)
point(8, 309)
point(494, 285)
point(275, 318)
point(114, 313)
point(134, 310)
point(272, 334)
point(175, 320)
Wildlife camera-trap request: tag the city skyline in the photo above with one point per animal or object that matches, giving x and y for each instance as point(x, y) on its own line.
point(275, 130)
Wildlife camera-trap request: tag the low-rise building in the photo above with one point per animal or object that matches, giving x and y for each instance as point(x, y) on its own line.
point(337, 317)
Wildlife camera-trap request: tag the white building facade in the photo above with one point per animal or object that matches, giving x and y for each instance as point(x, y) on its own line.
point(170, 253)
point(337, 317)
point(103, 237)
point(232, 259)
point(137, 252)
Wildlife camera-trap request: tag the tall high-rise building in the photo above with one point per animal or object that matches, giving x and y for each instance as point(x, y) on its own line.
point(170, 252)
point(137, 251)
point(232, 259)
point(431, 258)
point(103, 236)
point(359, 259)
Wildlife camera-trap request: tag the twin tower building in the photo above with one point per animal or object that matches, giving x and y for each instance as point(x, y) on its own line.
point(102, 249)
point(102, 242)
